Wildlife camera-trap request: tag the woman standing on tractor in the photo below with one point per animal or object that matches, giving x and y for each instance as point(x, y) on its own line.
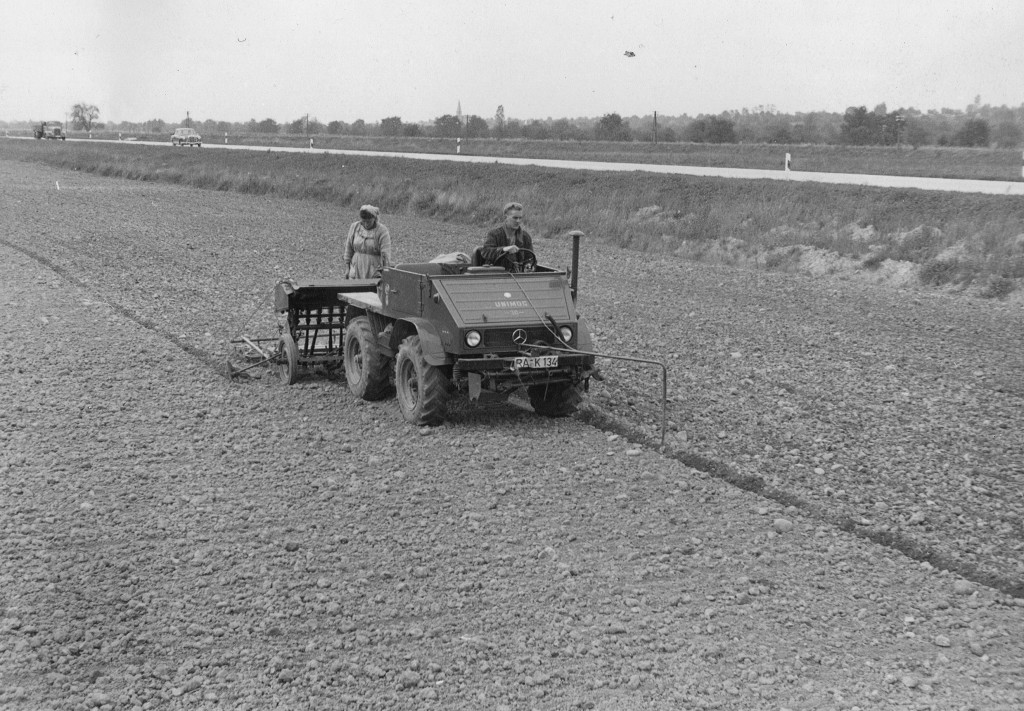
point(367, 246)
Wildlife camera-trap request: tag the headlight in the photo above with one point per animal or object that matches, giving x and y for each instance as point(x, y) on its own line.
point(472, 339)
point(566, 333)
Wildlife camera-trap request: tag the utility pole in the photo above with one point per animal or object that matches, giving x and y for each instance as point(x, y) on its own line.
point(188, 119)
point(655, 128)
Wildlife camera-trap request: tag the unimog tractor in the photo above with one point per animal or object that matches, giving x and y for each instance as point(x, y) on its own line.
point(435, 328)
point(425, 331)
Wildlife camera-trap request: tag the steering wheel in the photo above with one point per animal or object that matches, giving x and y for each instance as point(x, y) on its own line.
point(529, 264)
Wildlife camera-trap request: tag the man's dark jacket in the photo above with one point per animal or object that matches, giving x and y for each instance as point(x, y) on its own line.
point(497, 238)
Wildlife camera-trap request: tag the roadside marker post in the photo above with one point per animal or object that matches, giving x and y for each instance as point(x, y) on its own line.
point(787, 162)
point(458, 146)
point(225, 138)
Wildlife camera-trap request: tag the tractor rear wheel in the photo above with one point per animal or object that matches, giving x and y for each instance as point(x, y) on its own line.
point(366, 367)
point(555, 399)
point(288, 363)
point(422, 389)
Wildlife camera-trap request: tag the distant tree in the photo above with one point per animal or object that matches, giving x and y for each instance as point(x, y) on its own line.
point(858, 126)
point(476, 127)
point(513, 128)
point(780, 133)
point(1007, 134)
point(358, 128)
point(713, 129)
point(411, 129)
point(155, 126)
point(697, 131)
point(305, 125)
point(611, 127)
point(565, 130)
point(83, 116)
point(267, 125)
point(336, 128)
point(447, 126)
point(805, 130)
point(973, 133)
point(536, 130)
point(887, 128)
point(207, 128)
point(391, 126)
point(915, 133)
point(499, 122)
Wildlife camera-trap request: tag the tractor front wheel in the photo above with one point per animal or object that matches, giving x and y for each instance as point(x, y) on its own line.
point(555, 399)
point(366, 367)
point(422, 389)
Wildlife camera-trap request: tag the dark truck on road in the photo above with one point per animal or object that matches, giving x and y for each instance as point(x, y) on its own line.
point(51, 130)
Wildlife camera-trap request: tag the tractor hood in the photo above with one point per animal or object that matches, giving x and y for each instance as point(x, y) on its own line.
point(500, 299)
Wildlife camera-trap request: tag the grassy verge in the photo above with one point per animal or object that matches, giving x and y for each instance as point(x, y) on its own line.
point(975, 240)
point(927, 161)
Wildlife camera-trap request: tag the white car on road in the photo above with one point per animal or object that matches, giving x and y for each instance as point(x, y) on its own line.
point(186, 137)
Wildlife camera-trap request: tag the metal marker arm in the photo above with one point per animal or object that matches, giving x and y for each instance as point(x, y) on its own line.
point(664, 377)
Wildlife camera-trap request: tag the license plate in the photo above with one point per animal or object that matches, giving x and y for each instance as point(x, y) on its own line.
point(536, 362)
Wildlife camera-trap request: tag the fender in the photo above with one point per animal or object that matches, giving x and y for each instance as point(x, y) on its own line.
point(430, 342)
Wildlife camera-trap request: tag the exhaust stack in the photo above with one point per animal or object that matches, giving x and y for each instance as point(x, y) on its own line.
point(574, 275)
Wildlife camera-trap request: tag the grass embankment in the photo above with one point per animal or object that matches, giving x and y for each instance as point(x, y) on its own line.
point(957, 238)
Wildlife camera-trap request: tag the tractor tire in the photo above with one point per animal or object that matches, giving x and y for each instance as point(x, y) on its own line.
point(423, 389)
point(288, 365)
point(555, 399)
point(366, 367)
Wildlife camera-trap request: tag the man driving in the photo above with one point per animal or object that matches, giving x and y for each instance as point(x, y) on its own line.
point(509, 245)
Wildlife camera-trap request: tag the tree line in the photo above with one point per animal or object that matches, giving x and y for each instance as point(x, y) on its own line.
point(976, 125)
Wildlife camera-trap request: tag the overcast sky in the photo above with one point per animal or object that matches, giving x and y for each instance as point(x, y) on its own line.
point(237, 60)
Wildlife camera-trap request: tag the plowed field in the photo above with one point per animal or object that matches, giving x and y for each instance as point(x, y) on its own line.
point(835, 520)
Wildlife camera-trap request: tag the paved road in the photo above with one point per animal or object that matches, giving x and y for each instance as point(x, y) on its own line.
point(991, 187)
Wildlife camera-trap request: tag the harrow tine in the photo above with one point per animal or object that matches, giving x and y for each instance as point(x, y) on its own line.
point(233, 371)
point(256, 348)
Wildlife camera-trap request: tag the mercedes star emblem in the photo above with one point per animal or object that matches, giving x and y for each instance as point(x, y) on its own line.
point(519, 336)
